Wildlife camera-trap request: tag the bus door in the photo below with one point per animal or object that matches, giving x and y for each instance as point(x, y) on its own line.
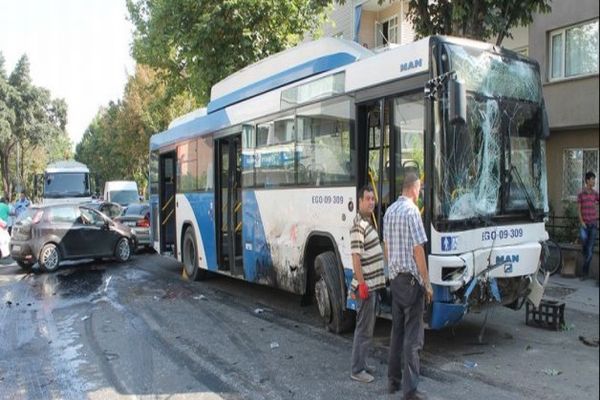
point(376, 159)
point(229, 203)
point(166, 201)
point(391, 143)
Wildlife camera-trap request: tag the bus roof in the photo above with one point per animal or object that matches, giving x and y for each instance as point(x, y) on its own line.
point(288, 66)
point(66, 166)
point(255, 91)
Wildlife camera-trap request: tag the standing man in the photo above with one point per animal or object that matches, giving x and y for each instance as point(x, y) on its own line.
point(367, 262)
point(21, 205)
point(588, 218)
point(404, 237)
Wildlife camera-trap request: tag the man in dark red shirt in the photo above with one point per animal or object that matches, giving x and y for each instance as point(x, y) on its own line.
point(588, 218)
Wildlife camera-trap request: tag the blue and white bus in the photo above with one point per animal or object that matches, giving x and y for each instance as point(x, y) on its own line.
point(261, 184)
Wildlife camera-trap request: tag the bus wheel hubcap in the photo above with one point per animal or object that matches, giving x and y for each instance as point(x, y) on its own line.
point(322, 296)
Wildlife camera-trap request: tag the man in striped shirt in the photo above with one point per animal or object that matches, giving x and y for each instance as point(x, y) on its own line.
point(404, 237)
point(588, 218)
point(367, 262)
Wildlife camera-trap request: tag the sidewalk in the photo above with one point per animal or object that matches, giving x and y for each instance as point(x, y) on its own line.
point(577, 295)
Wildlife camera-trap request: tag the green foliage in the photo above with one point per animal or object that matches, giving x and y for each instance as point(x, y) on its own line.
point(115, 145)
point(196, 43)
point(474, 19)
point(32, 128)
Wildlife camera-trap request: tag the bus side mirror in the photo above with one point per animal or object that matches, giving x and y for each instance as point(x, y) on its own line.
point(457, 102)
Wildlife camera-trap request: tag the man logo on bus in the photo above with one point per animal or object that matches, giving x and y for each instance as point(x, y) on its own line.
point(418, 63)
point(507, 261)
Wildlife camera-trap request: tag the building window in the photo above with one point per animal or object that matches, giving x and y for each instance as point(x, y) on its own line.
point(387, 32)
point(576, 162)
point(574, 51)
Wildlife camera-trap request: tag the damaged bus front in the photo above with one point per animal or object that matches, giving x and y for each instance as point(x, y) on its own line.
point(489, 194)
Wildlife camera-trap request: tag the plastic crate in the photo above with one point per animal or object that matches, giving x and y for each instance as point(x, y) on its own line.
point(550, 314)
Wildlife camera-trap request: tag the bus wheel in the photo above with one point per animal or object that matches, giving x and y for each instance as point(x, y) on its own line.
point(329, 294)
point(190, 257)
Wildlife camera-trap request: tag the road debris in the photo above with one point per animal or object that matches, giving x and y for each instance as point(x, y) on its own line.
point(474, 353)
point(551, 371)
point(258, 311)
point(274, 345)
point(201, 297)
point(470, 364)
point(592, 342)
point(85, 317)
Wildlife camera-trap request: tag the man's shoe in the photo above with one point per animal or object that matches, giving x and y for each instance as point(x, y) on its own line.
point(370, 369)
point(363, 376)
point(416, 395)
point(393, 387)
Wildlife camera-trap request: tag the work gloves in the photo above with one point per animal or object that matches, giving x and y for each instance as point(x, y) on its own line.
point(363, 291)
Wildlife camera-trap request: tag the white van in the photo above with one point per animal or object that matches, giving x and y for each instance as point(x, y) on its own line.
point(121, 192)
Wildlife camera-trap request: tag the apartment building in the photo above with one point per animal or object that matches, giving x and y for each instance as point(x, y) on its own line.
point(565, 44)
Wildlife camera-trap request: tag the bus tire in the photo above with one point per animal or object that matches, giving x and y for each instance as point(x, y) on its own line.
point(191, 269)
point(329, 294)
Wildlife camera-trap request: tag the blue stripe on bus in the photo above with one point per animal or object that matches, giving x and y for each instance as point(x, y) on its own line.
point(203, 206)
point(350, 302)
point(257, 253)
point(196, 127)
point(309, 68)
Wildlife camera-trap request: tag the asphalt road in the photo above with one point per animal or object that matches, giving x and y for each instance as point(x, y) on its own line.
point(139, 330)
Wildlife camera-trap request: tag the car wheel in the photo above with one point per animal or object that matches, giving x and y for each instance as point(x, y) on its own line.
point(329, 294)
point(191, 268)
point(26, 266)
point(123, 250)
point(49, 257)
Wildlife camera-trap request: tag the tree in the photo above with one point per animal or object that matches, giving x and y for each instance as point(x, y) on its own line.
point(115, 145)
point(474, 19)
point(196, 43)
point(30, 120)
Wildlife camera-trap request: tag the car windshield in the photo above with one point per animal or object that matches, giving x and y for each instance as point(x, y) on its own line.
point(29, 214)
point(124, 197)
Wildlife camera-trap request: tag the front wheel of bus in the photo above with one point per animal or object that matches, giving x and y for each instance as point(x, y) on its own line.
point(191, 268)
point(329, 294)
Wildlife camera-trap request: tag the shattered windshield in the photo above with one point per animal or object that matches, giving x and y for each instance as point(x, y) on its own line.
point(495, 163)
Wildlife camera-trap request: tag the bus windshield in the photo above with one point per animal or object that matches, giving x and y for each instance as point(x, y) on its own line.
point(494, 165)
point(73, 184)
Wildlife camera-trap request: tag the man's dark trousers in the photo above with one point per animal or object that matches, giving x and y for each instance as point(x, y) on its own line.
point(407, 327)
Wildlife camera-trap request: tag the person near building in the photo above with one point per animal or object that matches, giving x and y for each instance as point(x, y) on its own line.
point(587, 201)
point(404, 237)
point(368, 278)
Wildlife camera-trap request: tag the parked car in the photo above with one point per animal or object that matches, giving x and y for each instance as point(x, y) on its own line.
point(4, 240)
point(137, 217)
point(49, 234)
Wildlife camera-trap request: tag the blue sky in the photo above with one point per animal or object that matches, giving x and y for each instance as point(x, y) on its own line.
point(78, 49)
